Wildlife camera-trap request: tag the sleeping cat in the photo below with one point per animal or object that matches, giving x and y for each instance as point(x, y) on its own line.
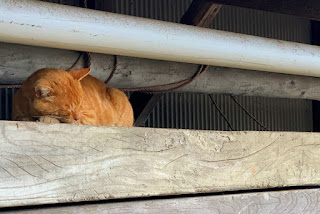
point(54, 96)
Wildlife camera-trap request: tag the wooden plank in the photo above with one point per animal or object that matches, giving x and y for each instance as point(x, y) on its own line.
point(305, 8)
point(296, 201)
point(143, 104)
point(104, 5)
point(58, 163)
point(17, 62)
point(199, 13)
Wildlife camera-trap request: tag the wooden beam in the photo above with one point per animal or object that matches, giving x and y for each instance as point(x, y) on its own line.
point(104, 5)
point(200, 13)
point(143, 104)
point(90, 4)
point(294, 201)
point(58, 163)
point(17, 62)
point(304, 8)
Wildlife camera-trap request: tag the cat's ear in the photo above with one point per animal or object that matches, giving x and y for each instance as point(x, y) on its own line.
point(43, 91)
point(79, 74)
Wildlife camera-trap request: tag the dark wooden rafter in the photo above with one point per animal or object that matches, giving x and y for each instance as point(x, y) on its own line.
point(304, 8)
point(200, 13)
point(90, 4)
point(143, 105)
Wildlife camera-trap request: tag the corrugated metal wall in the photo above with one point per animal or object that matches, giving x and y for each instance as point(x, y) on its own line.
point(6, 103)
point(195, 111)
point(234, 19)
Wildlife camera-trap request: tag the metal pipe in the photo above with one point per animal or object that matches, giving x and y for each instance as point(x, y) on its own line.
point(51, 25)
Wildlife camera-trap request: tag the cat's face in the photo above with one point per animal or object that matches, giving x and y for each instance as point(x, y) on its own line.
point(59, 94)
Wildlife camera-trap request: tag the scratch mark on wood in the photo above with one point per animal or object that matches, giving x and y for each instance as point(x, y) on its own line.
point(50, 161)
point(244, 157)
point(37, 163)
point(19, 167)
point(174, 160)
point(8, 172)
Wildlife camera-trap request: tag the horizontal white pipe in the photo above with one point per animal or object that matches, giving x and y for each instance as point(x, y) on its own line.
point(51, 25)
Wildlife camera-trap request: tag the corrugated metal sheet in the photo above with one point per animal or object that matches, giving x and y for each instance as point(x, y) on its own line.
point(234, 19)
point(6, 103)
point(195, 111)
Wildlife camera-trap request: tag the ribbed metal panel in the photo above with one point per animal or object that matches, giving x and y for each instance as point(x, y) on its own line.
point(195, 111)
point(6, 96)
point(264, 24)
point(234, 19)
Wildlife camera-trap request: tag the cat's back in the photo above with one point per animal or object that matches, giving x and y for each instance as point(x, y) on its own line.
point(116, 110)
point(91, 83)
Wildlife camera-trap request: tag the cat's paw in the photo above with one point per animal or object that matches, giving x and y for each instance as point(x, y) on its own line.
point(47, 119)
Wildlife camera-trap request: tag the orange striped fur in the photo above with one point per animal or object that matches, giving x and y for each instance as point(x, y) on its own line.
point(71, 97)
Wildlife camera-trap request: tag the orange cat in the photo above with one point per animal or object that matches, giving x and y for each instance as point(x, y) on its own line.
point(53, 96)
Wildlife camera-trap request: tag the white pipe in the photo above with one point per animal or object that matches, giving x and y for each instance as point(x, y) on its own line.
point(51, 25)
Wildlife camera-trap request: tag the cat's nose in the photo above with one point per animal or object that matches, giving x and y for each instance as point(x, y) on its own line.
point(76, 116)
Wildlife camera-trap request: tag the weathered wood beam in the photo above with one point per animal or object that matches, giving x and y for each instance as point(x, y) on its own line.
point(304, 8)
point(294, 201)
point(199, 13)
point(45, 164)
point(17, 62)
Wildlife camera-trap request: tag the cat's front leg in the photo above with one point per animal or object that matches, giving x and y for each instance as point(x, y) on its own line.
point(48, 119)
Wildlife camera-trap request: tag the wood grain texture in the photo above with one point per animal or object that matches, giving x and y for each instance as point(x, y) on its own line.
point(17, 62)
point(59, 163)
point(285, 202)
point(304, 8)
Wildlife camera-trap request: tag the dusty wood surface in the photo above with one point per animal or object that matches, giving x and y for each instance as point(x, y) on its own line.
point(17, 62)
point(284, 202)
point(59, 163)
point(305, 8)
